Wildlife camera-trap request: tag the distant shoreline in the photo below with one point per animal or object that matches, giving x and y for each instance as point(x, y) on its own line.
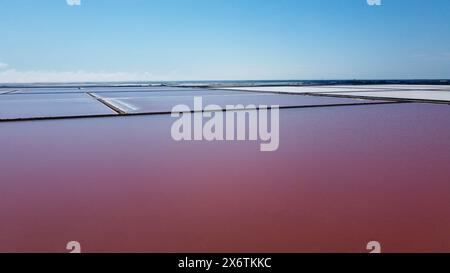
point(226, 83)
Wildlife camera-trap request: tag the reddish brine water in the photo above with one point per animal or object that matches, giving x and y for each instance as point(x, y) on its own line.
point(342, 176)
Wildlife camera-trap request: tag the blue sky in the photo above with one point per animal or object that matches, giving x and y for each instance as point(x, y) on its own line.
point(49, 40)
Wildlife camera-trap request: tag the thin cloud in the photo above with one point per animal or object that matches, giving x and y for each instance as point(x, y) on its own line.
point(73, 2)
point(15, 76)
point(3, 66)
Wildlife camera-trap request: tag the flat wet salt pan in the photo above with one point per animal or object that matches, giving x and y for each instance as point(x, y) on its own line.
point(49, 90)
point(413, 87)
point(42, 106)
point(50, 105)
point(154, 104)
point(142, 89)
point(412, 95)
point(168, 94)
point(296, 89)
point(342, 88)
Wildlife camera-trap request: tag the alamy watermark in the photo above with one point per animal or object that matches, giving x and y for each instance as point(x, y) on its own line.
point(234, 123)
point(73, 247)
